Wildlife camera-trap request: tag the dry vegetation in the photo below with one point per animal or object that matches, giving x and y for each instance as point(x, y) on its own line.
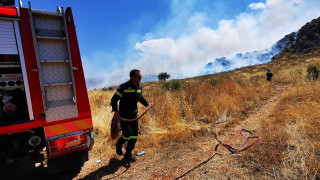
point(290, 134)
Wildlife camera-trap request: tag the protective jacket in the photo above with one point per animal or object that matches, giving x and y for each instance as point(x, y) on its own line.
point(129, 95)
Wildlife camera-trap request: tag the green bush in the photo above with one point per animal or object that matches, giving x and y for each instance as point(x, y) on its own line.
point(107, 89)
point(175, 85)
point(166, 86)
point(313, 73)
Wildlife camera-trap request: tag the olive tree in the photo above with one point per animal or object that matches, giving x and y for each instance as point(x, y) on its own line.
point(163, 76)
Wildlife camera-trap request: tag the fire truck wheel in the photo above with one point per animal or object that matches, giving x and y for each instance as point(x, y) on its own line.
point(68, 162)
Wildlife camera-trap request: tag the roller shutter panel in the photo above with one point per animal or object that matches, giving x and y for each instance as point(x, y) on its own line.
point(8, 44)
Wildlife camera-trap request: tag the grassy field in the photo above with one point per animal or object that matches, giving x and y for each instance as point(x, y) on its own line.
point(290, 145)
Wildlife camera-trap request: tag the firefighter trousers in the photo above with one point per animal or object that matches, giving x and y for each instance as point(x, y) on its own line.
point(129, 134)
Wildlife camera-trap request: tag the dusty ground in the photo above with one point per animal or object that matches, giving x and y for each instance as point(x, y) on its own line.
point(174, 159)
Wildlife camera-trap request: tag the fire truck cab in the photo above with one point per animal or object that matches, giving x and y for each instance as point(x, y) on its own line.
point(44, 104)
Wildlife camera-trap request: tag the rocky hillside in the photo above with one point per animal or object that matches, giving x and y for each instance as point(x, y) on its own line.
point(307, 39)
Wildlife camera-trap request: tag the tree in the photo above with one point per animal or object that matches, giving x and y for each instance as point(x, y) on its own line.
point(163, 76)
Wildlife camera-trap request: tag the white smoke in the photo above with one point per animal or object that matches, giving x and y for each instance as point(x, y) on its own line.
point(186, 48)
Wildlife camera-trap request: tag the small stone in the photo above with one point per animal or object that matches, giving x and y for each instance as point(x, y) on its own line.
point(196, 127)
point(141, 153)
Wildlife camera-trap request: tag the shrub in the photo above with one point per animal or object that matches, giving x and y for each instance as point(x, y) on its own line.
point(107, 89)
point(313, 73)
point(175, 85)
point(166, 85)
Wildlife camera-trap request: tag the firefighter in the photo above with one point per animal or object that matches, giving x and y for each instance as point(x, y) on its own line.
point(128, 94)
point(269, 75)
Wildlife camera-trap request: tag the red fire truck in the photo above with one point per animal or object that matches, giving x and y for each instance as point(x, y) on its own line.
point(44, 104)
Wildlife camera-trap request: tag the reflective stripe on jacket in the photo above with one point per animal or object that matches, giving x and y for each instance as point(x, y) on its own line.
point(129, 95)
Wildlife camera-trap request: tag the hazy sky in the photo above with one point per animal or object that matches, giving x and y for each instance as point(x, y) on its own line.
point(175, 36)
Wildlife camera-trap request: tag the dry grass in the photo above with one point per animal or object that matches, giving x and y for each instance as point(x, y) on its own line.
point(183, 113)
point(101, 117)
point(291, 133)
point(291, 137)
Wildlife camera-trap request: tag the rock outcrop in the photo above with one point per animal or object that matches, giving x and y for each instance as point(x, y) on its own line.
point(307, 38)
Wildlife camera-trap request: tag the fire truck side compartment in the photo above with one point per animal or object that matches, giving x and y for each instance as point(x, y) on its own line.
point(45, 66)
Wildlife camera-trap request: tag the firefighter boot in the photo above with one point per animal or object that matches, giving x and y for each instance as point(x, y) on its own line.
point(119, 148)
point(129, 157)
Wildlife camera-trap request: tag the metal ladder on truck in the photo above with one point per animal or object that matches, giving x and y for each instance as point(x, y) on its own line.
point(54, 64)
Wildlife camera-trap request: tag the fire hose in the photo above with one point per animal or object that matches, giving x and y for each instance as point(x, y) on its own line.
point(130, 120)
point(115, 123)
point(231, 149)
point(228, 147)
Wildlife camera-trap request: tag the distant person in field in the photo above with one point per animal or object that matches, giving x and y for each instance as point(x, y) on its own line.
point(128, 94)
point(269, 75)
